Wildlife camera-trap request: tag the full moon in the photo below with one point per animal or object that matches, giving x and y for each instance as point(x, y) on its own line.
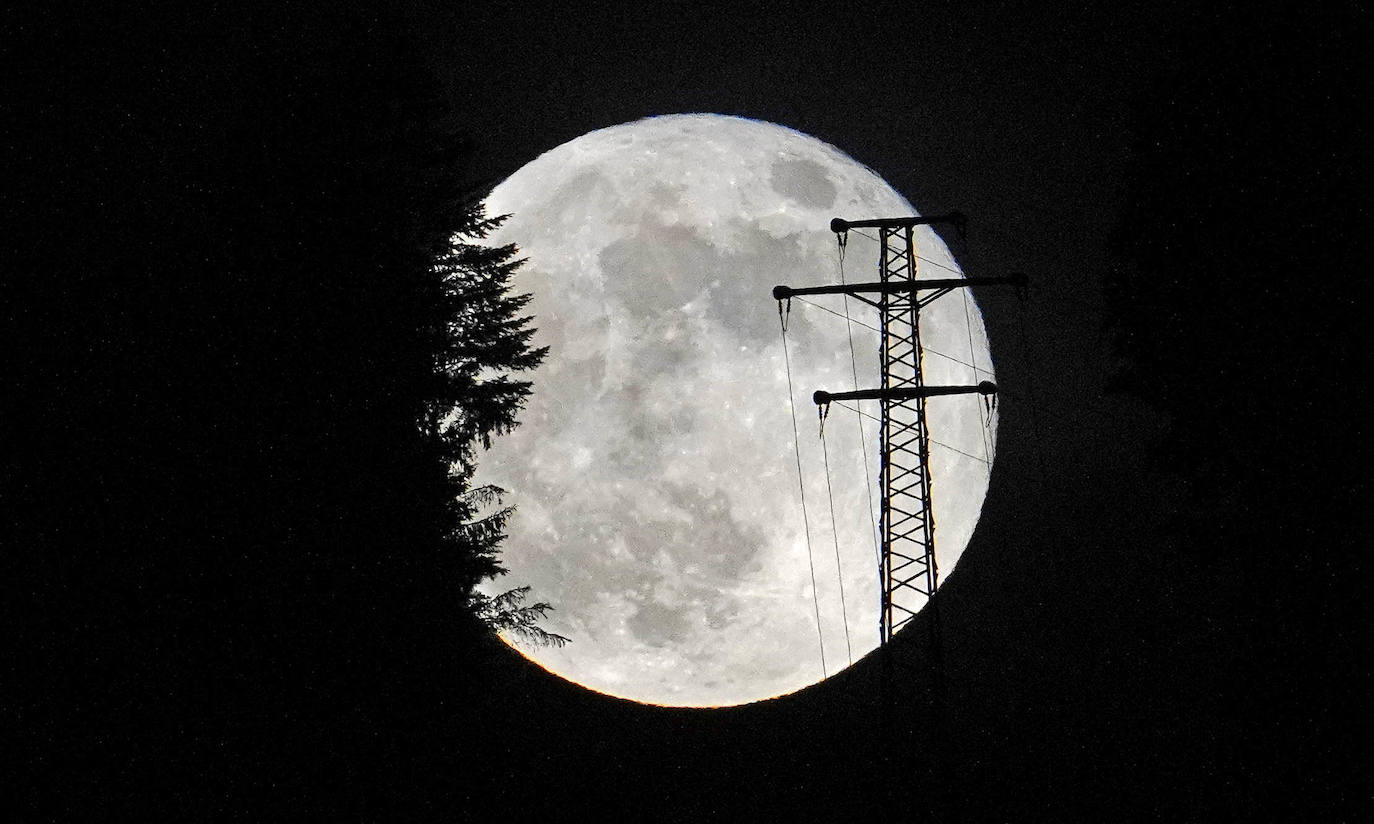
point(655, 469)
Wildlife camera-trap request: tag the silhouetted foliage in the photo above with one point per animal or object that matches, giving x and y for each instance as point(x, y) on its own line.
point(484, 340)
point(509, 613)
point(249, 288)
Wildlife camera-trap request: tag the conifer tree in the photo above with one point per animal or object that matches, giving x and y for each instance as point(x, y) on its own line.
point(485, 340)
point(256, 340)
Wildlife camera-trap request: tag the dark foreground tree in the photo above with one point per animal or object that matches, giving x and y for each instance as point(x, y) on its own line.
point(245, 289)
point(509, 613)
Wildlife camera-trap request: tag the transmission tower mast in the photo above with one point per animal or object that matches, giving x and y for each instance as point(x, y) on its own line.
point(907, 570)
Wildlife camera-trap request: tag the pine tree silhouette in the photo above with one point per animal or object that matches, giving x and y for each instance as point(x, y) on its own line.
point(246, 291)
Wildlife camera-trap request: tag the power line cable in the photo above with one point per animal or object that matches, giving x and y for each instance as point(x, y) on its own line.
point(1001, 390)
point(986, 430)
point(863, 439)
point(801, 488)
point(837, 314)
point(875, 329)
point(934, 263)
point(864, 414)
point(835, 534)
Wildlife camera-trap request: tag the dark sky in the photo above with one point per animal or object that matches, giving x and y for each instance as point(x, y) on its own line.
point(1092, 637)
point(1158, 615)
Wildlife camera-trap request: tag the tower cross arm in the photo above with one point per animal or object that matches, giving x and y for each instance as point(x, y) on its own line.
point(897, 286)
point(839, 224)
point(901, 393)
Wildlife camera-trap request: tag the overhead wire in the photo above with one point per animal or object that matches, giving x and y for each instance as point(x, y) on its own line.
point(863, 438)
point(934, 263)
point(971, 363)
point(986, 433)
point(1029, 400)
point(986, 430)
point(801, 487)
point(871, 417)
point(837, 314)
point(1034, 290)
point(835, 535)
point(1034, 406)
point(1032, 403)
point(924, 348)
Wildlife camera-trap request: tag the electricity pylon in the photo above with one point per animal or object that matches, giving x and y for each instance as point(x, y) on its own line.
point(907, 570)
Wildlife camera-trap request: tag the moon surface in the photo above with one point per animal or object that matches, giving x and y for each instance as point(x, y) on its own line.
point(654, 472)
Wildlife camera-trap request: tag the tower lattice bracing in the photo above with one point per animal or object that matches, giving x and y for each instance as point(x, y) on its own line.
point(908, 573)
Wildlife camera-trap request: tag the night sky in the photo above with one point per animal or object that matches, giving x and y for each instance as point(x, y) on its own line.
point(1158, 616)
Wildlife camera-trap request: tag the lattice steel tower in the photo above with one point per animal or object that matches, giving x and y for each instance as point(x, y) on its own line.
point(907, 572)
